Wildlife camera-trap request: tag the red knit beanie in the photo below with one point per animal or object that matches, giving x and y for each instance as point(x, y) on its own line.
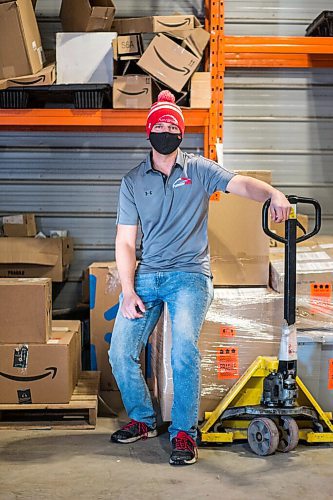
point(165, 110)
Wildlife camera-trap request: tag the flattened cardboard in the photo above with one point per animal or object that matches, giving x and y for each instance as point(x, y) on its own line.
point(168, 62)
point(19, 225)
point(25, 310)
point(84, 57)
point(132, 92)
point(49, 375)
point(45, 76)
point(85, 15)
point(21, 50)
point(201, 92)
point(105, 289)
point(239, 249)
point(36, 257)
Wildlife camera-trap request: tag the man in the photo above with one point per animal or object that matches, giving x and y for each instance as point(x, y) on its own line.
point(169, 194)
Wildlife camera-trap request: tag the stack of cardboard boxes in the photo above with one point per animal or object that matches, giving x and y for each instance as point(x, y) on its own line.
point(118, 52)
point(40, 359)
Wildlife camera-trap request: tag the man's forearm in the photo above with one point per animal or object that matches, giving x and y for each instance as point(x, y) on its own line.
point(258, 190)
point(126, 264)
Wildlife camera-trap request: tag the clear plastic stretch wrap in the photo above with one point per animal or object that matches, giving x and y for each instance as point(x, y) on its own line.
point(241, 324)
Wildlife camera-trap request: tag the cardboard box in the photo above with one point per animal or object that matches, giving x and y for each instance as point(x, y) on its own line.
point(19, 225)
point(45, 76)
point(154, 24)
point(39, 373)
point(239, 249)
point(201, 91)
point(314, 268)
point(87, 15)
point(36, 257)
point(279, 229)
point(105, 289)
point(21, 51)
point(168, 62)
point(85, 57)
point(70, 326)
point(128, 47)
point(25, 310)
point(132, 92)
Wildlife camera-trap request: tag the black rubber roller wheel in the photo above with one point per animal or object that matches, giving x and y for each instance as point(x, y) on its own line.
point(263, 436)
point(289, 435)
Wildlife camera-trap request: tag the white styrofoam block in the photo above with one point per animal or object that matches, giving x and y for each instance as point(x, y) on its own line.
point(85, 57)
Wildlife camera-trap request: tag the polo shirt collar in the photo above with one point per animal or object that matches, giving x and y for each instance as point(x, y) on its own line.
point(179, 161)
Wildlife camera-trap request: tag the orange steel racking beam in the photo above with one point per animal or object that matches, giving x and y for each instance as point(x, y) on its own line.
point(287, 52)
point(105, 120)
point(215, 24)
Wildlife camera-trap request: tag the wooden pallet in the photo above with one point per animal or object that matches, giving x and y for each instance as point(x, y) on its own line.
point(79, 413)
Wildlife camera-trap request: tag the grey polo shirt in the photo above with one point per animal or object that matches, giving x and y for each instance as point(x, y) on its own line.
point(173, 214)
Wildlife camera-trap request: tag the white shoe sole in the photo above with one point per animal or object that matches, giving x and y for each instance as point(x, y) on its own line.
point(151, 434)
point(184, 462)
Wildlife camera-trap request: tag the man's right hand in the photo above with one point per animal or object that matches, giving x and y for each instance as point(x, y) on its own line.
point(132, 306)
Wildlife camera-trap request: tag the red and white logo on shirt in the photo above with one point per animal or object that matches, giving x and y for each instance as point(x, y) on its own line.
point(181, 181)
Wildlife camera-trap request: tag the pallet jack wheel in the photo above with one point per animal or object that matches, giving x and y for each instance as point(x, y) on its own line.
point(263, 436)
point(289, 435)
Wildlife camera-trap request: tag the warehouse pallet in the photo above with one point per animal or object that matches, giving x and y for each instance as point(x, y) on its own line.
point(79, 413)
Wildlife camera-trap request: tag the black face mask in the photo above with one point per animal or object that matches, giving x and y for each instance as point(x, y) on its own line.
point(165, 142)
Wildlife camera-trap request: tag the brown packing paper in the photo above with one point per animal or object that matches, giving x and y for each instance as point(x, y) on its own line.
point(25, 310)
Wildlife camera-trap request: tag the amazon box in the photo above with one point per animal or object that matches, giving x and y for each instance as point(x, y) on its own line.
point(45, 76)
point(39, 373)
point(19, 225)
point(21, 51)
point(154, 24)
point(168, 62)
point(239, 248)
point(25, 310)
point(132, 92)
point(35, 257)
point(87, 15)
point(70, 326)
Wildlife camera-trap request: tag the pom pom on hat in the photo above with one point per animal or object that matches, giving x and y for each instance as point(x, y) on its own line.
point(165, 110)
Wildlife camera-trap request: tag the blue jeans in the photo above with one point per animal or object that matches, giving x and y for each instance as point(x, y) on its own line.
point(188, 296)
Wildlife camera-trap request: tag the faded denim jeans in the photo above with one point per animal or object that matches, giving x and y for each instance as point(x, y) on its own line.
point(188, 296)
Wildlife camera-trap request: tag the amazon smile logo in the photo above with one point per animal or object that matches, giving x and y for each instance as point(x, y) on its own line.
point(186, 22)
point(40, 79)
point(143, 91)
point(52, 371)
point(183, 70)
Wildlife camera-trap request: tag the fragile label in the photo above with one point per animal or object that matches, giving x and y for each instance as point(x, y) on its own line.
point(330, 374)
point(227, 363)
point(227, 331)
point(215, 196)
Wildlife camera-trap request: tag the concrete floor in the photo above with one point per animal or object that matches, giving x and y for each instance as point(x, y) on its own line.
point(54, 464)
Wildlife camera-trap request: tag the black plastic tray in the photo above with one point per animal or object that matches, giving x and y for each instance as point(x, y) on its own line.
point(85, 96)
point(322, 25)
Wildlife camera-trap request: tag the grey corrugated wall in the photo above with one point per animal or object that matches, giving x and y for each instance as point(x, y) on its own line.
point(279, 120)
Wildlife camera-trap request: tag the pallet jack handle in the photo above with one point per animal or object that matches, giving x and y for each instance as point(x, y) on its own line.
point(293, 200)
point(290, 241)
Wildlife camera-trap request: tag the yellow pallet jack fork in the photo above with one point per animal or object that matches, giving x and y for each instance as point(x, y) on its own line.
point(269, 406)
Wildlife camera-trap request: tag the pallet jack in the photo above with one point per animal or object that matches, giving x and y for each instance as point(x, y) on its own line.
point(269, 406)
